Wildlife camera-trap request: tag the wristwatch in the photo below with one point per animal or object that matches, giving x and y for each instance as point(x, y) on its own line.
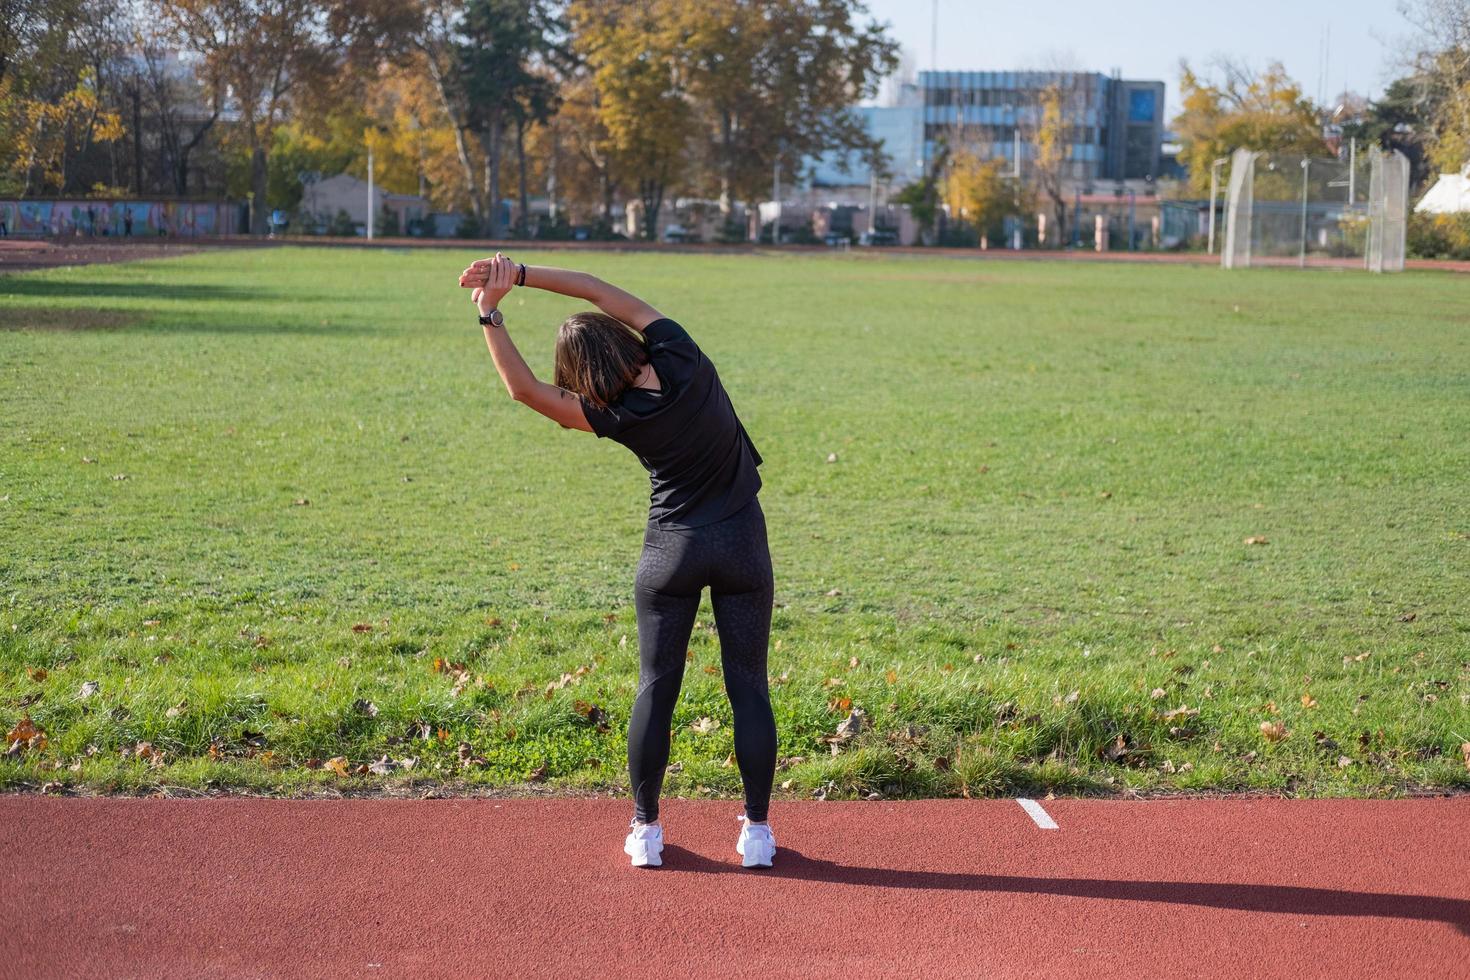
point(492, 319)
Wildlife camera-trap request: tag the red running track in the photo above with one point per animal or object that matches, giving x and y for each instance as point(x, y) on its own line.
point(249, 888)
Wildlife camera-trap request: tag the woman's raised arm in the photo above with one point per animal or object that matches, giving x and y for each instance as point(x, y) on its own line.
point(605, 296)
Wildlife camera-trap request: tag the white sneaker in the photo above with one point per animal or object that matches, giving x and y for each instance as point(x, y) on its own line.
point(757, 845)
point(645, 844)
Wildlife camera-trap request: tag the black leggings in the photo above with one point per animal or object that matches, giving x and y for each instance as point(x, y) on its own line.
point(732, 558)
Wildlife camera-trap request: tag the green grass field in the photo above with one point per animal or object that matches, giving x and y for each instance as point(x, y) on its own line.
point(1088, 527)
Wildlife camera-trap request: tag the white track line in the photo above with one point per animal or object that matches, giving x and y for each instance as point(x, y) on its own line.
point(1042, 818)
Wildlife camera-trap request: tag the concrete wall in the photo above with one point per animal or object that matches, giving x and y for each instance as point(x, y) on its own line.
point(175, 219)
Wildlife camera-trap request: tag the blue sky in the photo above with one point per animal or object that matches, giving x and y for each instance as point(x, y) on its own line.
point(1146, 38)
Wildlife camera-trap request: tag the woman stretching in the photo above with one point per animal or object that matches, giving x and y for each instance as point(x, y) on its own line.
point(633, 375)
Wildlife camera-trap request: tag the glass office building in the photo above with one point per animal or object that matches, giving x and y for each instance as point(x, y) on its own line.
point(1113, 128)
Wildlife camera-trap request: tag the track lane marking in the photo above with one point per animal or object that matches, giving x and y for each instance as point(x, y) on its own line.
point(1034, 809)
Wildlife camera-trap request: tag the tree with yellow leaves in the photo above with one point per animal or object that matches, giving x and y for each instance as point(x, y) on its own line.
point(1265, 111)
point(640, 102)
point(980, 192)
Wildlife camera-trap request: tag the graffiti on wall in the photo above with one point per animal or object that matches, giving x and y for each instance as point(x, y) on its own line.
point(173, 219)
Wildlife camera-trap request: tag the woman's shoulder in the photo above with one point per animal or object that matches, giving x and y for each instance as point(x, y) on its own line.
point(666, 331)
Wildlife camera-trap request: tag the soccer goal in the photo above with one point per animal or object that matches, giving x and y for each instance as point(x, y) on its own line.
point(1287, 209)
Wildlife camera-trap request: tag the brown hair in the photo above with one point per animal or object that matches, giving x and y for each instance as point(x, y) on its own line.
point(598, 356)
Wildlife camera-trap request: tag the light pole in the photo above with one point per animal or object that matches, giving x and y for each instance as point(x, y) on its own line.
point(370, 190)
point(1214, 185)
point(1306, 169)
point(776, 198)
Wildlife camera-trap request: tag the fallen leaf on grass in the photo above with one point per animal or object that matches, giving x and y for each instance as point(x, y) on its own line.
point(1256, 539)
point(1465, 751)
point(177, 709)
point(1157, 693)
point(25, 735)
point(705, 725)
point(594, 714)
point(834, 592)
point(37, 674)
point(1182, 711)
point(382, 767)
point(1274, 731)
point(537, 774)
point(365, 707)
point(145, 752)
point(301, 502)
point(852, 663)
point(847, 729)
point(1308, 701)
point(1117, 749)
point(839, 705)
point(338, 765)
point(88, 689)
point(52, 788)
point(362, 627)
point(891, 677)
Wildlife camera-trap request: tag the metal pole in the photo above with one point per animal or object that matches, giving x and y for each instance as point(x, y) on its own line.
point(872, 200)
point(1214, 191)
point(370, 190)
point(776, 197)
point(1352, 170)
point(934, 37)
point(1306, 169)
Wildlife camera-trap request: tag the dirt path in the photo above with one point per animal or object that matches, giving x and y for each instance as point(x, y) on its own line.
point(18, 255)
point(121, 887)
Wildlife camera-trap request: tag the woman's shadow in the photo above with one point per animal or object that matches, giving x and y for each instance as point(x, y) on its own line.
point(1290, 899)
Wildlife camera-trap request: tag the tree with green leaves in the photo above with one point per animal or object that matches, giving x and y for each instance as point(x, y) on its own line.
point(496, 78)
point(774, 81)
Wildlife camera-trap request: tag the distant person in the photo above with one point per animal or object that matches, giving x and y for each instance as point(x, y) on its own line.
point(633, 375)
point(127, 222)
point(91, 222)
point(278, 222)
point(4, 227)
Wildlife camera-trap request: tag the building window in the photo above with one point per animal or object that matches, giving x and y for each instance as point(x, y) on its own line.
point(1141, 105)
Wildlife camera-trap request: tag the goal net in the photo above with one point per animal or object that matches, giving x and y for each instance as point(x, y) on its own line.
point(1289, 209)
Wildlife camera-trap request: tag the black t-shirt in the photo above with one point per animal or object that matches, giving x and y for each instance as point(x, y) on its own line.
point(701, 463)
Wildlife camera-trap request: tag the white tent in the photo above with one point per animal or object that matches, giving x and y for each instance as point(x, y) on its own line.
point(1449, 195)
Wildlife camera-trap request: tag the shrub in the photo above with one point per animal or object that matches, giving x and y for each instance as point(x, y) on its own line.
point(1439, 236)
